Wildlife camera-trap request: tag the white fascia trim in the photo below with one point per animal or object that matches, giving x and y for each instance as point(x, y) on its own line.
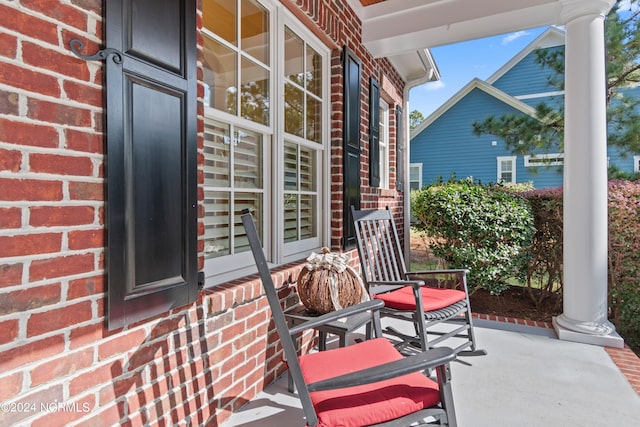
point(476, 83)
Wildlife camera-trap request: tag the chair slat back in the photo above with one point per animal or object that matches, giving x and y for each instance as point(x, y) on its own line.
point(278, 317)
point(378, 245)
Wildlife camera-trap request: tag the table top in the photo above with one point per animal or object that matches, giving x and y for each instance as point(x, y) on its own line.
point(300, 313)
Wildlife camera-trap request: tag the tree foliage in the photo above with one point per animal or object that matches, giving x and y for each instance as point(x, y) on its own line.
point(544, 131)
point(415, 118)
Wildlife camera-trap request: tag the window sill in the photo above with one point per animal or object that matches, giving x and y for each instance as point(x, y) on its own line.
point(386, 192)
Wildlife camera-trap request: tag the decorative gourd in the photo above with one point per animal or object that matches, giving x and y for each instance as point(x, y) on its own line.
point(327, 283)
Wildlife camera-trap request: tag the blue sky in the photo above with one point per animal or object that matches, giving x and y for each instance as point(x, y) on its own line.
point(459, 63)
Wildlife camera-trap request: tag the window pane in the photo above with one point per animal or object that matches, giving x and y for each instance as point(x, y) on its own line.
point(253, 202)
point(219, 16)
point(254, 29)
point(247, 159)
point(314, 119)
point(290, 217)
point(293, 107)
point(217, 223)
point(217, 142)
point(308, 209)
point(314, 72)
point(308, 171)
point(254, 92)
point(219, 76)
point(414, 173)
point(294, 56)
point(290, 167)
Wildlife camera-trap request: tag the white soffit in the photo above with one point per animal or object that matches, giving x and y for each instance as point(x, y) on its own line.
point(399, 26)
point(416, 65)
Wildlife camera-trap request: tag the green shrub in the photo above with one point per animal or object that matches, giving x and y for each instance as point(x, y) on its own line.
point(483, 228)
point(543, 259)
point(624, 259)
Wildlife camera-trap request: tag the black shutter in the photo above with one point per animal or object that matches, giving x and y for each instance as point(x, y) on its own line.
point(352, 72)
point(151, 158)
point(374, 133)
point(399, 150)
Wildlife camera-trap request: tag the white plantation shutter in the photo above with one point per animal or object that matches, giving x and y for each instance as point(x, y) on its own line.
point(227, 149)
point(301, 193)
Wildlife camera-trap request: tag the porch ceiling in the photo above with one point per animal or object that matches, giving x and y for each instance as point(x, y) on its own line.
point(393, 27)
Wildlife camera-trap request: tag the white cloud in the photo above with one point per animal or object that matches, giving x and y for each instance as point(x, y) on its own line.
point(438, 84)
point(513, 36)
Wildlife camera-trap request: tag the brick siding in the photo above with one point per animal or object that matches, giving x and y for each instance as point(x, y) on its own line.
point(197, 363)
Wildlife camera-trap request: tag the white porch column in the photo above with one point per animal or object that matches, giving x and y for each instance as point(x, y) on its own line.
point(584, 317)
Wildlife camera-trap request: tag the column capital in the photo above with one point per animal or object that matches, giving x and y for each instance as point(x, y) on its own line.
point(572, 9)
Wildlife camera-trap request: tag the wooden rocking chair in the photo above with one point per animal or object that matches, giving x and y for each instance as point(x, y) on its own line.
point(366, 384)
point(411, 296)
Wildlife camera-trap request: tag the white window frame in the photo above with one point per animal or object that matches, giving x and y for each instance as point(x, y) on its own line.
point(383, 144)
point(636, 164)
point(225, 268)
point(501, 171)
point(419, 167)
point(537, 160)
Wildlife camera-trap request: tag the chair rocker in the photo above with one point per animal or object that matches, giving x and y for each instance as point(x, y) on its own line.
point(365, 384)
point(411, 296)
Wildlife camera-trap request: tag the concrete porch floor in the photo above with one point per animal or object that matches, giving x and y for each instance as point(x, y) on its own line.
point(528, 378)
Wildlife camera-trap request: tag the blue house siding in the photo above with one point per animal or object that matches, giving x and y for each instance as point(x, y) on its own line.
point(527, 77)
point(448, 146)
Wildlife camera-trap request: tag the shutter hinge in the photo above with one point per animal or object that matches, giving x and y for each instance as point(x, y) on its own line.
point(76, 45)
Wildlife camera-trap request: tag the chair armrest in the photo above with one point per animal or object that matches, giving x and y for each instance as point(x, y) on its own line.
point(373, 305)
point(426, 360)
point(447, 271)
point(388, 286)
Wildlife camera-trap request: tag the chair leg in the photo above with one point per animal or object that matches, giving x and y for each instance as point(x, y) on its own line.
point(472, 337)
point(446, 395)
point(419, 320)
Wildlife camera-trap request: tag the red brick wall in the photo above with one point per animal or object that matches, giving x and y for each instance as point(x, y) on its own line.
point(58, 363)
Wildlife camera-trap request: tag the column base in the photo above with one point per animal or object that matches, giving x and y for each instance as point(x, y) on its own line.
point(588, 333)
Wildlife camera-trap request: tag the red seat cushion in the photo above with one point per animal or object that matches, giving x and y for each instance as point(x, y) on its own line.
point(432, 298)
point(371, 403)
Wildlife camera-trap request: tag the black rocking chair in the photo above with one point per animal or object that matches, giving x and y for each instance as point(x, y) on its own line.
point(411, 296)
point(365, 384)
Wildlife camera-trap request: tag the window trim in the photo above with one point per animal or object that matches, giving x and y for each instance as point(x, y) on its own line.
point(551, 159)
point(636, 164)
point(277, 251)
point(419, 167)
point(513, 160)
point(384, 142)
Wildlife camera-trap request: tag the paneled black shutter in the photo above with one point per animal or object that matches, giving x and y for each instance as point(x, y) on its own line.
point(374, 133)
point(400, 159)
point(151, 158)
point(352, 72)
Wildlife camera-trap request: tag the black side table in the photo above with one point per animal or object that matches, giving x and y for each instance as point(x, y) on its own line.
point(342, 328)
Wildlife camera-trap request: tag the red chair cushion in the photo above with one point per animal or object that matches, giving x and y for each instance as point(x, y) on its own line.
point(432, 298)
point(371, 403)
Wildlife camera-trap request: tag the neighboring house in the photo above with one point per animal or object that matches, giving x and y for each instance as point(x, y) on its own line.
point(444, 144)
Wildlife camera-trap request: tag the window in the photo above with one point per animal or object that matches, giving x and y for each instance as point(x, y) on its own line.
point(636, 164)
point(507, 169)
point(415, 176)
point(555, 159)
point(383, 144)
point(265, 96)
